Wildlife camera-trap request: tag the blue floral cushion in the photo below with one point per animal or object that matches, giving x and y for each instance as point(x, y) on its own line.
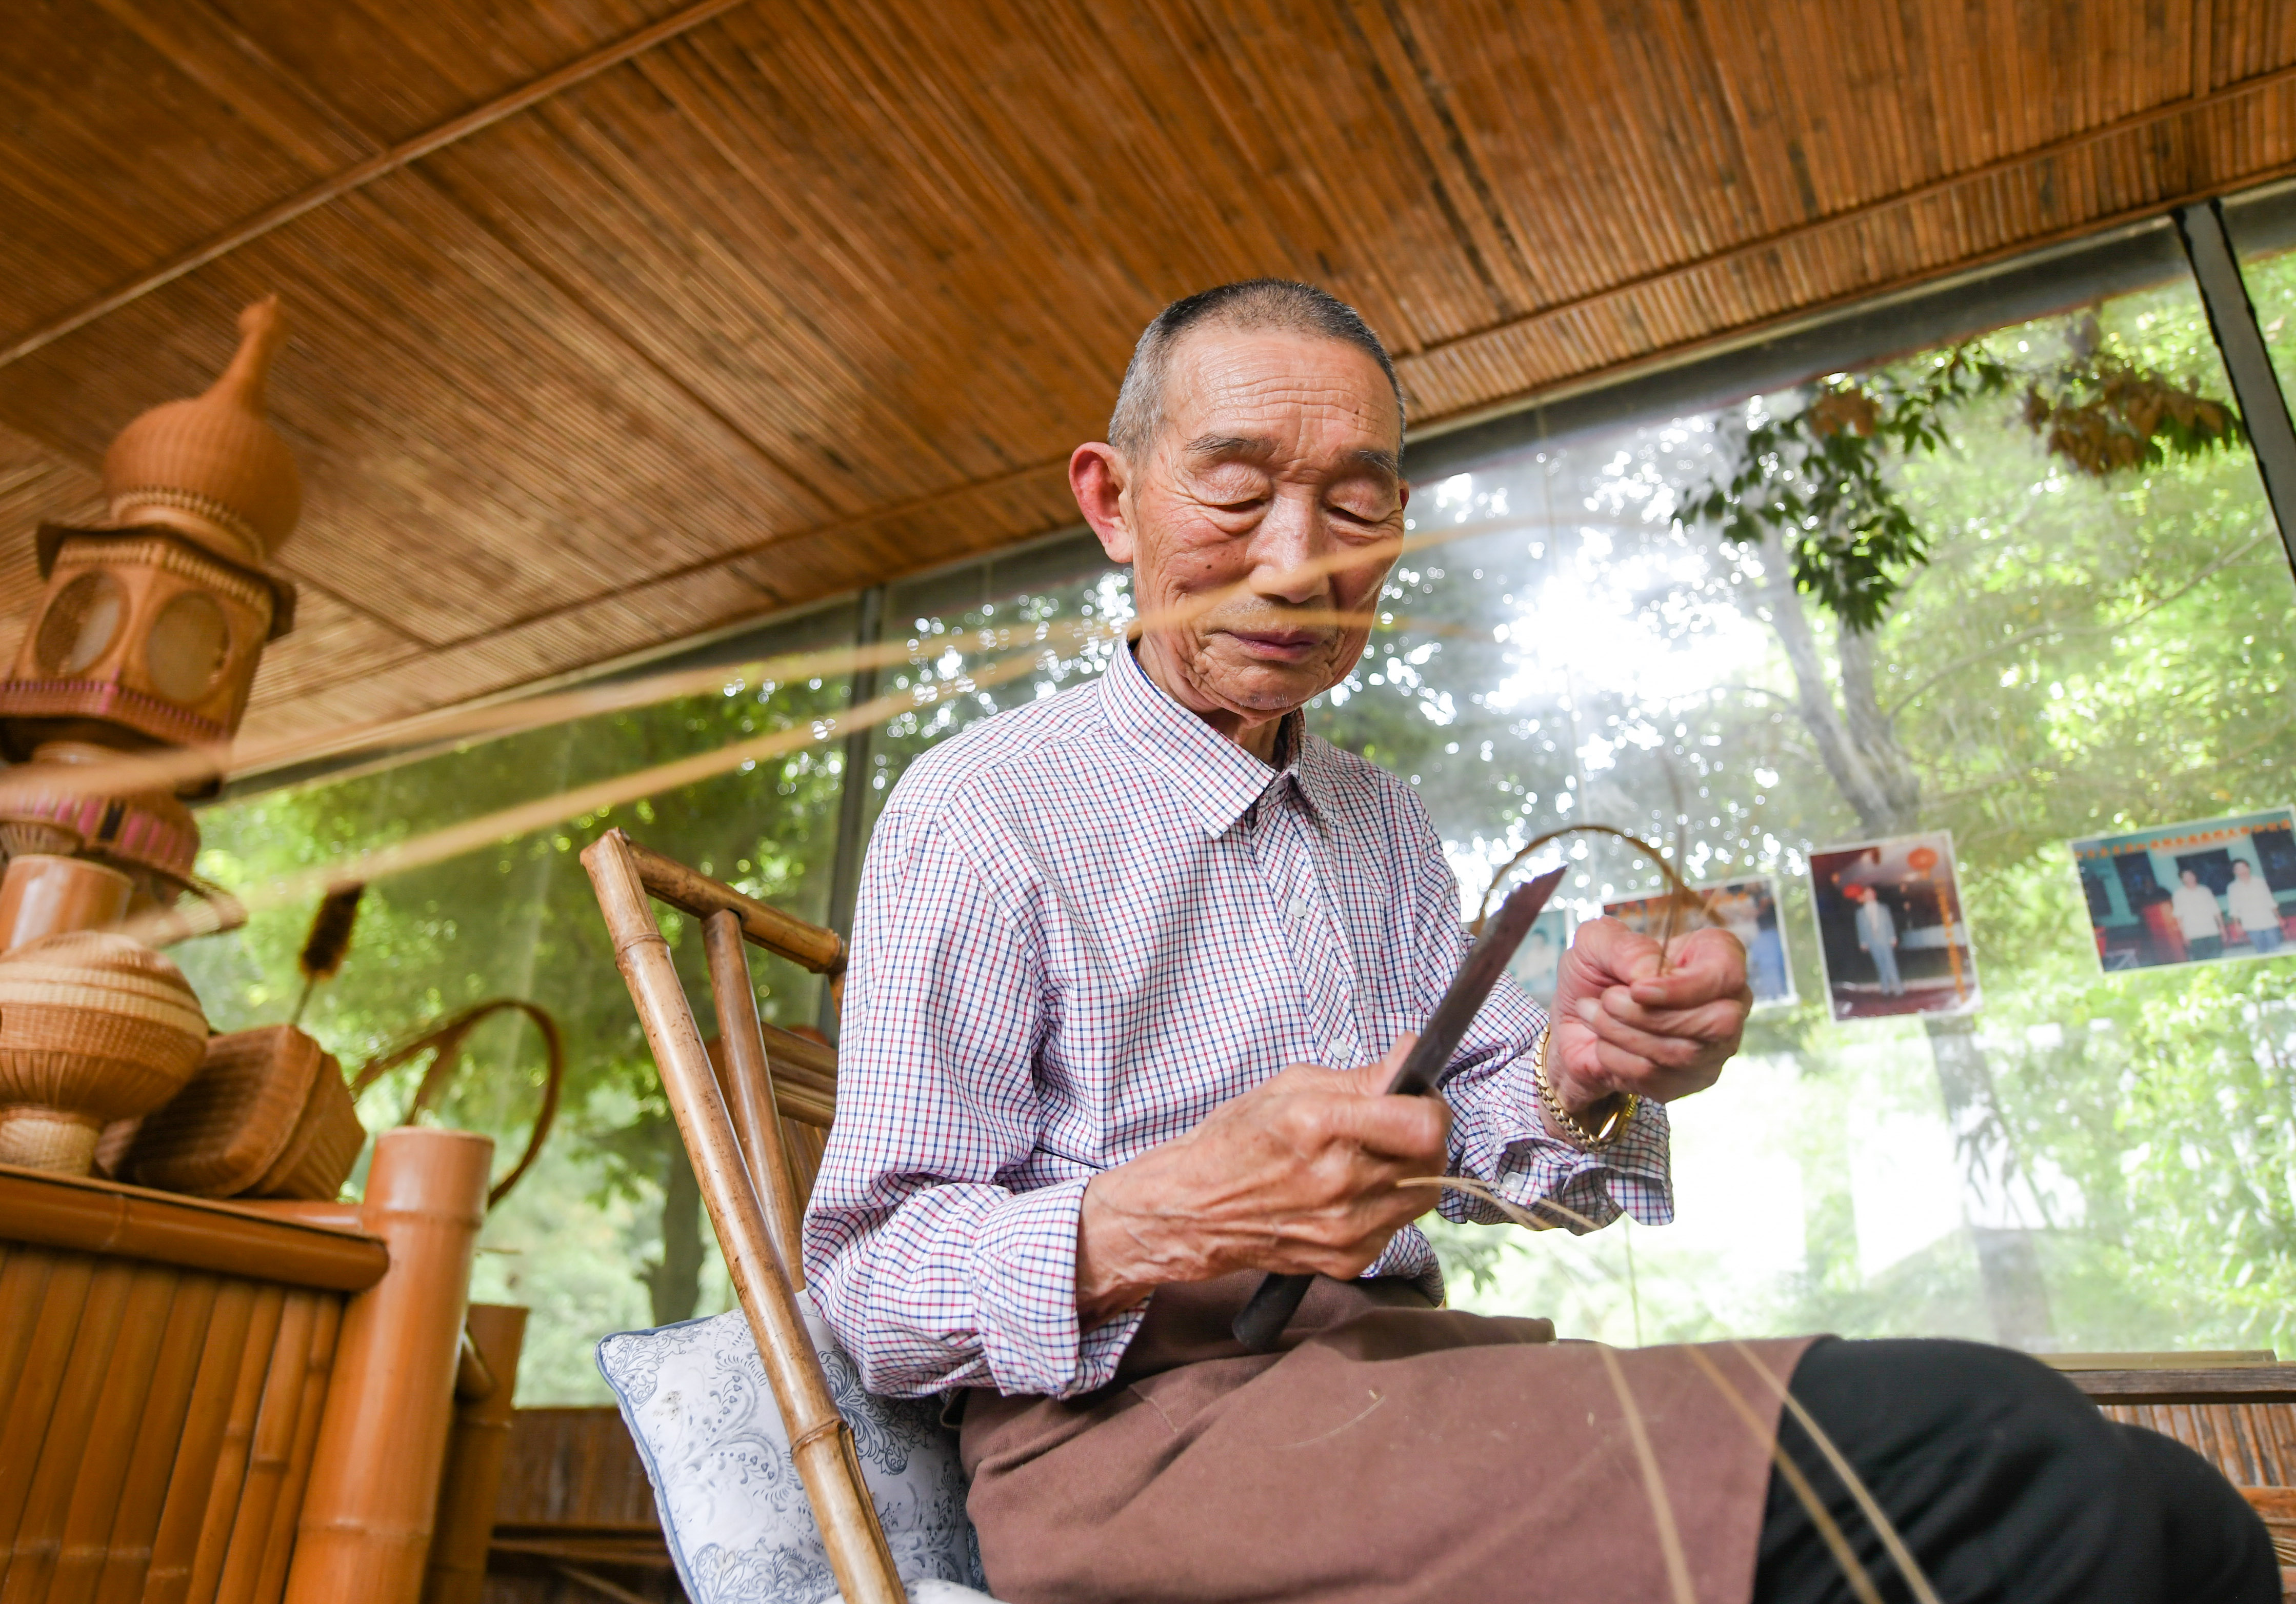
point(695, 1398)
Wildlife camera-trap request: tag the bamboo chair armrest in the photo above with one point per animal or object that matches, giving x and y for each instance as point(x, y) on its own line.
point(689, 891)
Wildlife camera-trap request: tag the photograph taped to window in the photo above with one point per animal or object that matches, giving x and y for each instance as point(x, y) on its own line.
point(1890, 927)
point(1537, 962)
point(2191, 893)
point(1747, 907)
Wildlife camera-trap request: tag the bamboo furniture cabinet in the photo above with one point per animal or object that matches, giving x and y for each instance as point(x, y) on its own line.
point(207, 1403)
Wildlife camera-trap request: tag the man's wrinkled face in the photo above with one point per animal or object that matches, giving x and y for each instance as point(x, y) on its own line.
point(1264, 519)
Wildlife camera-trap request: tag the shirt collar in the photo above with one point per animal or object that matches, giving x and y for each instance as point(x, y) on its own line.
point(1217, 779)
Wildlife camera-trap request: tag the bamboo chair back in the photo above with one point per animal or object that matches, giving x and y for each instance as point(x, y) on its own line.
point(733, 1134)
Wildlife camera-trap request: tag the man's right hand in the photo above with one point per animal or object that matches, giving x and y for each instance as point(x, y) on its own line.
point(1297, 1175)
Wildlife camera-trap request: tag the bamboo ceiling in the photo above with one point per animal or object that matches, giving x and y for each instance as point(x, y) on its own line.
point(616, 321)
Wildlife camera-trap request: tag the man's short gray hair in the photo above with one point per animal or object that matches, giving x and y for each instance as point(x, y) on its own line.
point(1261, 302)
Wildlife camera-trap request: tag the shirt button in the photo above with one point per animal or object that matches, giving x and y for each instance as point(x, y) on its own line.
point(1295, 909)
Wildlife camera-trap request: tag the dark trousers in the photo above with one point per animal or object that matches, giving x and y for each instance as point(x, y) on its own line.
point(2005, 1483)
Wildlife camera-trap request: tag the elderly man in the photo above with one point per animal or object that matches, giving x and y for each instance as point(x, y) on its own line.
point(1131, 968)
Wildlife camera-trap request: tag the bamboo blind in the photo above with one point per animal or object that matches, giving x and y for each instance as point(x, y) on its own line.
point(794, 298)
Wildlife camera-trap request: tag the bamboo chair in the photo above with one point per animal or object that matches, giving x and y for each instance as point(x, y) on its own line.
point(727, 1115)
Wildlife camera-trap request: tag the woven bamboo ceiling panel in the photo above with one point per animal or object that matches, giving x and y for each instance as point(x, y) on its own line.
point(617, 321)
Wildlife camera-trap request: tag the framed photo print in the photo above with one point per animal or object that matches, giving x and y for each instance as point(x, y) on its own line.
point(1746, 907)
point(1891, 929)
point(1538, 959)
point(2201, 892)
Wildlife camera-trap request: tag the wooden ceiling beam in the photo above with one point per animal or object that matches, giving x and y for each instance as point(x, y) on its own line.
point(361, 173)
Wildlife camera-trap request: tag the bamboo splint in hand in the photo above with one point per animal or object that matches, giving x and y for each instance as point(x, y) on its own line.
point(1424, 1070)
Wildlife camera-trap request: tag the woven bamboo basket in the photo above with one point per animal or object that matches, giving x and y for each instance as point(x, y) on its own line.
point(94, 1027)
point(325, 1143)
point(267, 1116)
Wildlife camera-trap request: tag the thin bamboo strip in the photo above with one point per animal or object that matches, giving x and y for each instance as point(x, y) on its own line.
point(270, 1447)
point(159, 1437)
point(279, 1547)
point(111, 1434)
point(47, 1354)
point(183, 1511)
point(230, 1480)
point(455, 840)
point(23, 1278)
point(39, 1527)
point(821, 1442)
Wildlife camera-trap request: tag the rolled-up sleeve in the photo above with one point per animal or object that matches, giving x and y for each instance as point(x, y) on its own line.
point(932, 1270)
point(1496, 1134)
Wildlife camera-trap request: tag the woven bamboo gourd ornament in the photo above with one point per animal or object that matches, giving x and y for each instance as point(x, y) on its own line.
point(212, 467)
point(94, 1027)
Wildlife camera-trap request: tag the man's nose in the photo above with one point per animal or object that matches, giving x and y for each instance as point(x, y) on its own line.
point(1287, 553)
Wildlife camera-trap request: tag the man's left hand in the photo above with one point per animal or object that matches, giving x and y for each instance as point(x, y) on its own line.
point(1632, 1018)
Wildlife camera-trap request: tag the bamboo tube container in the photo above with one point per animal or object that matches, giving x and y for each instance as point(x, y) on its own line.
point(238, 1445)
point(111, 1437)
point(279, 1545)
point(167, 1577)
point(269, 1448)
point(127, 1551)
point(820, 1442)
point(41, 1377)
point(467, 1492)
point(366, 1525)
point(39, 1527)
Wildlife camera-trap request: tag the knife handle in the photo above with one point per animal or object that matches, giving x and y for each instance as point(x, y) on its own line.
point(1270, 1310)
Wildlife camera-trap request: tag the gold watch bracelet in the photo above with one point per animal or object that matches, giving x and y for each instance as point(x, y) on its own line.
point(1593, 1142)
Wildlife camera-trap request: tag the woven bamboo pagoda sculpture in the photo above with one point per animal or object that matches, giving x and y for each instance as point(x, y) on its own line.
point(146, 641)
point(201, 1401)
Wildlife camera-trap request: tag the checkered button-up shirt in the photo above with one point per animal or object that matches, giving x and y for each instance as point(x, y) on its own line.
point(1082, 925)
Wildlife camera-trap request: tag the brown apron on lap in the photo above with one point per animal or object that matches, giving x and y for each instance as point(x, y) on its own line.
point(1391, 1453)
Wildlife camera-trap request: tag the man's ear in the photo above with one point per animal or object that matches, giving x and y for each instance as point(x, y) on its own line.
point(1097, 476)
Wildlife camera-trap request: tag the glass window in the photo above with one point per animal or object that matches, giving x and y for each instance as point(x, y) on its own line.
point(2013, 1077)
point(1990, 1121)
point(605, 1234)
point(1062, 604)
point(2262, 228)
